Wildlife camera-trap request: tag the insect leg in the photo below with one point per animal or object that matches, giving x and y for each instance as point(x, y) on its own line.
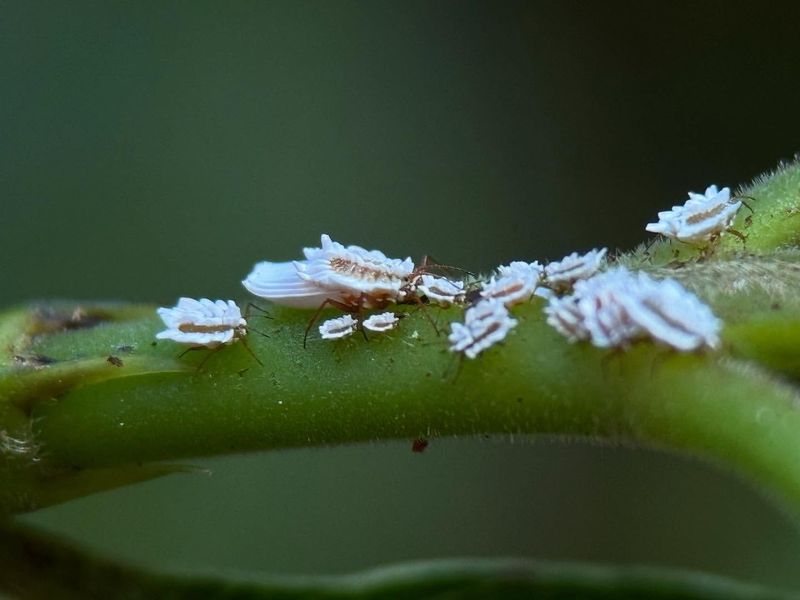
point(250, 350)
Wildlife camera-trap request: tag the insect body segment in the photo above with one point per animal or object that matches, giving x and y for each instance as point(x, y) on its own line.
point(701, 219)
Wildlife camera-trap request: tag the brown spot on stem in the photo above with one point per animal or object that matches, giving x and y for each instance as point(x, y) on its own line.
point(36, 361)
point(49, 319)
point(419, 445)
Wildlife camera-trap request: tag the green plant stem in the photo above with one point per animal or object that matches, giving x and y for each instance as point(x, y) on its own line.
point(408, 385)
point(38, 567)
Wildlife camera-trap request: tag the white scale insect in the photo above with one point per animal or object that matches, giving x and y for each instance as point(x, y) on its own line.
point(441, 291)
point(204, 324)
point(514, 283)
point(702, 218)
point(561, 275)
point(349, 277)
point(382, 322)
point(485, 324)
point(338, 328)
point(617, 307)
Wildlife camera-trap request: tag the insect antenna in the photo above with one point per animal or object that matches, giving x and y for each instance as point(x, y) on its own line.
point(254, 330)
point(264, 313)
point(745, 203)
point(428, 263)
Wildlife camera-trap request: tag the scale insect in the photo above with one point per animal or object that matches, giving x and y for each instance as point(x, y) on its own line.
point(485, 324)
point(383, 322)
point(338, 328)
point(440, 290)
point(561, 275)
point(349, 277)
point(514, 283)
point(702, 219)
point(205, 324)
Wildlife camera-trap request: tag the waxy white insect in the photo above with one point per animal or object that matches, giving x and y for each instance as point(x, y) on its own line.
point(441, 291)
point(674, 316)
point(381, 323)
point(561, 275)
point(617, 307)
point(349, 276)
point(485, 324)
point(564, 315)
point(365, 277)
point(203, 323)
point(340, 327)
point(702, 218)
point(514, 283)
point(596, 310)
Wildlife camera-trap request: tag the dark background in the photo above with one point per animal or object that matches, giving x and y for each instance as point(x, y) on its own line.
point(156, 149)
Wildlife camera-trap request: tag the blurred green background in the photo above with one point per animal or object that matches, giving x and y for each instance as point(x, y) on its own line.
point(156, 149)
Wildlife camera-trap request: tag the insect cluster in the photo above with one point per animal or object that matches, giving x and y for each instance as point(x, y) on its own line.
point(617, 307)
point(587, 300)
